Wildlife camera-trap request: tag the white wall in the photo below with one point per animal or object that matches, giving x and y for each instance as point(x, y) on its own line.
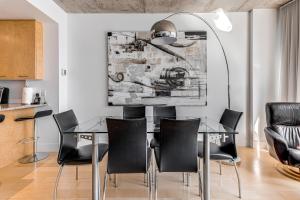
point(54, 12)
point(78, 41)
point(265, 72)
point(21, 9)
point(87, 78)
point(55, 44)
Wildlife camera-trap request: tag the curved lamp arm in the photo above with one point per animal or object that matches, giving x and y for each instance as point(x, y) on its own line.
point(223, 50)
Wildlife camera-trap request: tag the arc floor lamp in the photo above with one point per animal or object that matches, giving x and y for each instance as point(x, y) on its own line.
point(164, 32)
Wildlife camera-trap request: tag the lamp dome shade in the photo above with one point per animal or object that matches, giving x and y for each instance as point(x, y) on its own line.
point(163, 32)
point(222, 21)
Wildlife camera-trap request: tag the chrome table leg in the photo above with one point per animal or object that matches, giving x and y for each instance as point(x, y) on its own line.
point(206, 167)
point(95, 170)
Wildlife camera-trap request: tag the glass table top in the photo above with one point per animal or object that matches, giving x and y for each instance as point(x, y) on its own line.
point(98, 125)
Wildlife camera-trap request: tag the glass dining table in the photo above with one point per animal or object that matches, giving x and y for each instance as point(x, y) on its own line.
point(97, 128)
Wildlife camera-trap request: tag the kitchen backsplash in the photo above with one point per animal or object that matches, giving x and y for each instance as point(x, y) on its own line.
point(15, 90)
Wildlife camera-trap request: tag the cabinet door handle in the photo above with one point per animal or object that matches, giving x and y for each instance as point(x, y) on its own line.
point(2, 76)
point(22, 76)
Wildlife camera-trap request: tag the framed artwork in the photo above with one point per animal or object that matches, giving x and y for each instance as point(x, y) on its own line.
point(140, 72)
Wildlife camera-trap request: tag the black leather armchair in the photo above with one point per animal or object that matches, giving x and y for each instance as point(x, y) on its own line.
point(283, 132)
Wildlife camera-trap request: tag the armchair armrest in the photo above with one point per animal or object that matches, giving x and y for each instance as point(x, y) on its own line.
point(278, 147)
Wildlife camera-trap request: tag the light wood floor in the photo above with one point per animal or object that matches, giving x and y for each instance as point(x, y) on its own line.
point(260, 180)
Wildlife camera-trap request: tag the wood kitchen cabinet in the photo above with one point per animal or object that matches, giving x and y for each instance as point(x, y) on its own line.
point(21, 50)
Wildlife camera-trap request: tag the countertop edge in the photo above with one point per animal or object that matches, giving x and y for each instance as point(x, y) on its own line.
point(10, 107)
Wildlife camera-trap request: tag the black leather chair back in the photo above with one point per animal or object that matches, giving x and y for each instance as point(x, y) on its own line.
point(284, 119)
point(42, 113)
point(178, 145)
point(2, 118)
point(127, 146)
point(68, 142)
point(163, 112)
point(230, 119)
point(283, 114)
point(134, 112)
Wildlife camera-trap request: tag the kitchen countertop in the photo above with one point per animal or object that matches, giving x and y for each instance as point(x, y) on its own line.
point(16, 106)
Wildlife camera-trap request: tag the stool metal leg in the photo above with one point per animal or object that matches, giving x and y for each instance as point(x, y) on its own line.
point(36, 156)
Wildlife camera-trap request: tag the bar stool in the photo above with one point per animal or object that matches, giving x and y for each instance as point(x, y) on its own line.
point(36, 156)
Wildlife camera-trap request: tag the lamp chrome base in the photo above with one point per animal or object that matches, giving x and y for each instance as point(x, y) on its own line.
point(33, 158)
point(289, 171)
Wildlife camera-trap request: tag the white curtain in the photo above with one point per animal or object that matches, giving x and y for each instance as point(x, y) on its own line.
point(289, 19)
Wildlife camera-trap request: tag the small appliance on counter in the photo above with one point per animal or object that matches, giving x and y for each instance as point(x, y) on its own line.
point(4, 95)
point(27, 95)
point(37, 99)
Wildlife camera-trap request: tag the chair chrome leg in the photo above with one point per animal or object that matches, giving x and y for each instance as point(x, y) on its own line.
point(155, 184)
point(146, 179)
point(104, 186)
point(200, 184)
point(188, 179)
point(220, 167)
point(183, 178)
point(116, 180)
point(153, 167)
point(149, 184)
point(57, 181)
point(200, 180)
point(238, 177)
point(76, 172)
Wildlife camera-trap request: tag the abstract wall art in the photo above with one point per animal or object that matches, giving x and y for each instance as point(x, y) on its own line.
point(140, 72)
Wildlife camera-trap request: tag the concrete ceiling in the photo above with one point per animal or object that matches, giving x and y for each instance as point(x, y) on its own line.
point(163, 6)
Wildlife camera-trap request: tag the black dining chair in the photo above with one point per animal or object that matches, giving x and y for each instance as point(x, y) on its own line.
point(178, 148)
point(128, 151)
point(227, 148)
point(69, 152)
point(134, 112)
point(161, 112)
